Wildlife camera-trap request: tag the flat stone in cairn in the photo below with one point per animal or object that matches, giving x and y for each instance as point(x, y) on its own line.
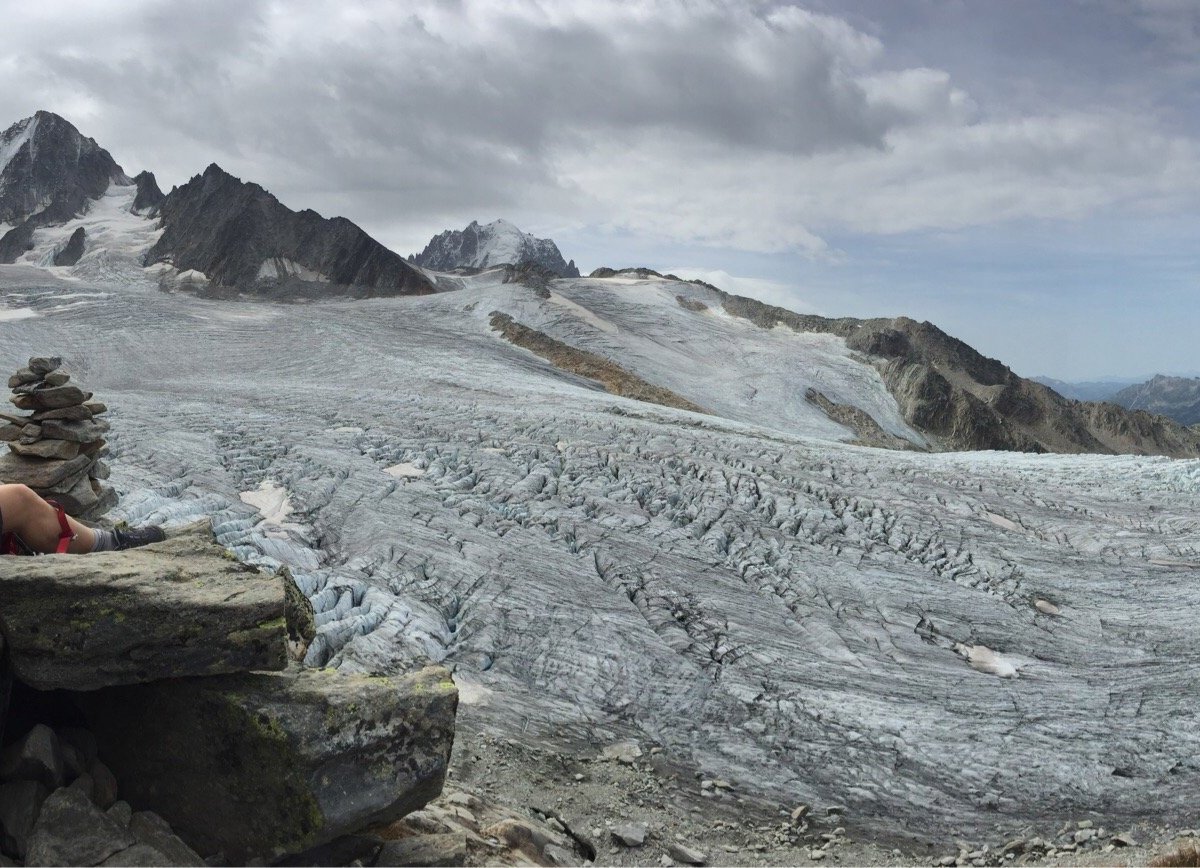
point(55, 449)
point(77, 412)
point(51, 398)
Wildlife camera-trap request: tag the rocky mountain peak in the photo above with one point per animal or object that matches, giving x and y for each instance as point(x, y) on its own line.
point(487, 245)
point(49, 170)
point(237, 234)
point(1175, 397)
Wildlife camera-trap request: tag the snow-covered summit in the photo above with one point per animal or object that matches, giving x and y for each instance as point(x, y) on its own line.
point(495, 243)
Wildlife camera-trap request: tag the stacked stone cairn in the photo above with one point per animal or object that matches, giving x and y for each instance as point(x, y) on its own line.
point(56, 448)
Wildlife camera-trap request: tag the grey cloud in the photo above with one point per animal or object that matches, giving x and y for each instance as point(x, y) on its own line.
point(749, 125)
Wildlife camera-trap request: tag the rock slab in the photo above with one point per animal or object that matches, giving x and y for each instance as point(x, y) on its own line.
point(261, 765)
point(178, 608)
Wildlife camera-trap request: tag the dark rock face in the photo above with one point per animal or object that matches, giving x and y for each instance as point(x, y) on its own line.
point(497, 243)
point(51, 166)
point(259, 765)
point(49, 172)
point(966, 400)
point(1175, 397)
point(70, 254)
point(239, 235)
point(16, 241)
point(149, 197)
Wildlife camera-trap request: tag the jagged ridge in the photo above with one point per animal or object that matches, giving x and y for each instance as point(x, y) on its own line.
point(496, 243)
point(238, 235)
point(948, 389)
point(1175, 397)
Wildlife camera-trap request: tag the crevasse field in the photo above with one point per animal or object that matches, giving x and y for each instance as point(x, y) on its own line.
point(941, 642)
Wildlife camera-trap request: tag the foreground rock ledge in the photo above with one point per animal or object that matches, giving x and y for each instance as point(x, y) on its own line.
point(262, 764)
point(180, 607)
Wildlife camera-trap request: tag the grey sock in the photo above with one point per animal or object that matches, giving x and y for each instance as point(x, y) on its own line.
point(106, 540)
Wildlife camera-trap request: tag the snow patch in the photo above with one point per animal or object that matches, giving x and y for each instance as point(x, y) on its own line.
point(986, 660)
point(274, 505)
point(10, 146)
point(1001, 521)
point(279, 268)
point(12, 314)
point(405, 470)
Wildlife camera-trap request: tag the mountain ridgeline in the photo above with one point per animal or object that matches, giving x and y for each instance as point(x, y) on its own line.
point(221, 236)
point(1176, 397)
point(239, 235)
point(232, 234)
point(964, 400)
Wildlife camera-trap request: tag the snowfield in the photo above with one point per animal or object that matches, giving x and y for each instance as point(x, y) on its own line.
point(944, 643)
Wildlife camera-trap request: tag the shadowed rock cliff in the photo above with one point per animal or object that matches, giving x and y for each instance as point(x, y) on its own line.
point(239, 235)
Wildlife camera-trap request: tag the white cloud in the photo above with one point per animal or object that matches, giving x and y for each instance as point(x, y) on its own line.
point(744, 125)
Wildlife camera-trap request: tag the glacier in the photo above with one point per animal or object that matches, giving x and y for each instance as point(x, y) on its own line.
point(944, 643)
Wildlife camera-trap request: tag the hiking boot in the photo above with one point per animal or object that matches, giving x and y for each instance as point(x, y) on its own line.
point(133, 537)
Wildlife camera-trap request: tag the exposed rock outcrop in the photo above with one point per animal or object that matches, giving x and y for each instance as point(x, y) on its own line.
point(495, 243)
point(610, 375)
point(181, 607)
point(238, 235)
point(259, 765)
point(70, 254)
point(149, 197)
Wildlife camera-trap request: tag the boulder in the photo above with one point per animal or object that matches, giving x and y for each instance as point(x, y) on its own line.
point(141, 855)
point(20, 802)
point(75, 431)
point(66, 413)
point(70, 830)
point(36, 756)
point(39, 366)
point(23, 377)
point(152, 830)
point(260, 765)
point(177, 608)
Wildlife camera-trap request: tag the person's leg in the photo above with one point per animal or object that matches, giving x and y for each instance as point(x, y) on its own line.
point(36, 522)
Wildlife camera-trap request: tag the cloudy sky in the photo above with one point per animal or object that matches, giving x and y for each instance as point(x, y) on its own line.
point(1024, 173)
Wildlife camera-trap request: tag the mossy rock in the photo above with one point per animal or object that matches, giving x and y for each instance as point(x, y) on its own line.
point(264, 764)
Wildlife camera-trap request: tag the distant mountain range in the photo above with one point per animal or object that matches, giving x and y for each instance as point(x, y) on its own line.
point(1176, 397)
point(219, 230)
point(220, 235)
point(1087, 390)
point(495, 243)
